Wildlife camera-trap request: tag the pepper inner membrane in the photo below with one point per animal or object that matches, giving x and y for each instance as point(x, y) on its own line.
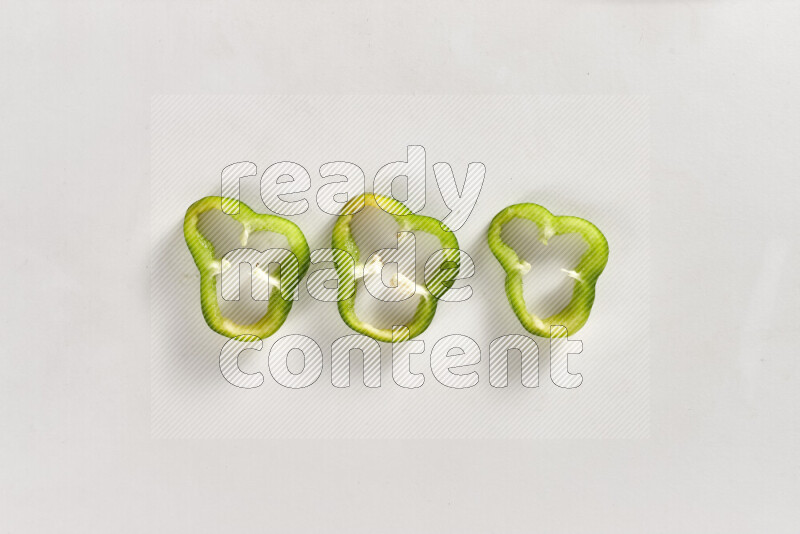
point(547, 286)
point(373, 229)
point(225, 234)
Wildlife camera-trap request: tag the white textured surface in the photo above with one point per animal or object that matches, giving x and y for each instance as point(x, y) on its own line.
point(75, 448)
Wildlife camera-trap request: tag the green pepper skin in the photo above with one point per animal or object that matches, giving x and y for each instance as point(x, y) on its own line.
point(591, 265)
point(209, 265)
point(408, 222)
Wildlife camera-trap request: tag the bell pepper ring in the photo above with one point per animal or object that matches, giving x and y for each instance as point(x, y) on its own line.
point(438, 280)
point(585, 275)
point(210, 265)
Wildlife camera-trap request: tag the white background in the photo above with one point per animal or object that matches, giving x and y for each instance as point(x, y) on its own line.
point(75, 448)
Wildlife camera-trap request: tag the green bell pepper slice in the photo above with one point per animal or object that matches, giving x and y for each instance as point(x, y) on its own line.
point(585, 275)
point(210, 265)
point(437, 284)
